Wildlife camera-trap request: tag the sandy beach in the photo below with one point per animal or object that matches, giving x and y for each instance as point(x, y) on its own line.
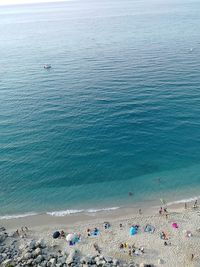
point(181, 247)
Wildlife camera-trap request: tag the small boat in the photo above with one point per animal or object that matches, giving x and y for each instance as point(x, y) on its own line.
point(47, 66)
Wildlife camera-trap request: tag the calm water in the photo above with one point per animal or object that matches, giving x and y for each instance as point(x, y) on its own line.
point(119, 108)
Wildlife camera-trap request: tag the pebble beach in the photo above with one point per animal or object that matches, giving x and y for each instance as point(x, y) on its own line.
point(112, 246)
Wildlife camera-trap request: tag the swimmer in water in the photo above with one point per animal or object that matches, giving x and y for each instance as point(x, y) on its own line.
point(158, 180)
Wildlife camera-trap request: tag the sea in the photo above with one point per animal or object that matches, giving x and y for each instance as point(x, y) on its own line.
point(116, 120)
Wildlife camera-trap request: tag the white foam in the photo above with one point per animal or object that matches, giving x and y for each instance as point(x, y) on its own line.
point(16, 216)
point(68, 212)
point(63, 212)
point(183, 200)
point(56, 213)
point(103, 209)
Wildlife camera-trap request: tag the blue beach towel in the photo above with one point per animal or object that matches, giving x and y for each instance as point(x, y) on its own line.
point(95, 233)
point(133, 231)
point(149, 229)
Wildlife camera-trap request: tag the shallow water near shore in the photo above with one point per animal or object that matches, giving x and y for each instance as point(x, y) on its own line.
point(117, 113)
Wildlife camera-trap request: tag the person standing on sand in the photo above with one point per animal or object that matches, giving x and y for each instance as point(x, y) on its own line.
point(185, 205)
point(160, 210)
point(88, 232)
point(195, 204)
point(166, 213)
point(140, 211)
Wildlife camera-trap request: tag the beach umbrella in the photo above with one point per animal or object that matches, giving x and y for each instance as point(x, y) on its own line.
point(175, 225)
point(189, 234)
point(56, 234)
point(70, 237)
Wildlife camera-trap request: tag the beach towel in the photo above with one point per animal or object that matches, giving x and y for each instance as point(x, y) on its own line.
point(133, 231)
point(95, 233)
point(149, 229)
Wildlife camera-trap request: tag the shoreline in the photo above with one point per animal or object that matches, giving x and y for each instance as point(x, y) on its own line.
point(171, 198)
point(177, 253)
point(34, 219)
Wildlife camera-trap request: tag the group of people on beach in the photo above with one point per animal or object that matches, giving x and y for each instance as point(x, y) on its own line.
point(94, 232)
point(22, 232)
point(132, 250)
point(164, 235)
point(163, 211)
point(195, 206)
point(106, 225)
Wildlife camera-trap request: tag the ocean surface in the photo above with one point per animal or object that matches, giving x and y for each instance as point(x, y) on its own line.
point(118, 112)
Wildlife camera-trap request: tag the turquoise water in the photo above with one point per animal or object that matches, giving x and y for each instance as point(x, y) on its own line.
point(119, 108)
